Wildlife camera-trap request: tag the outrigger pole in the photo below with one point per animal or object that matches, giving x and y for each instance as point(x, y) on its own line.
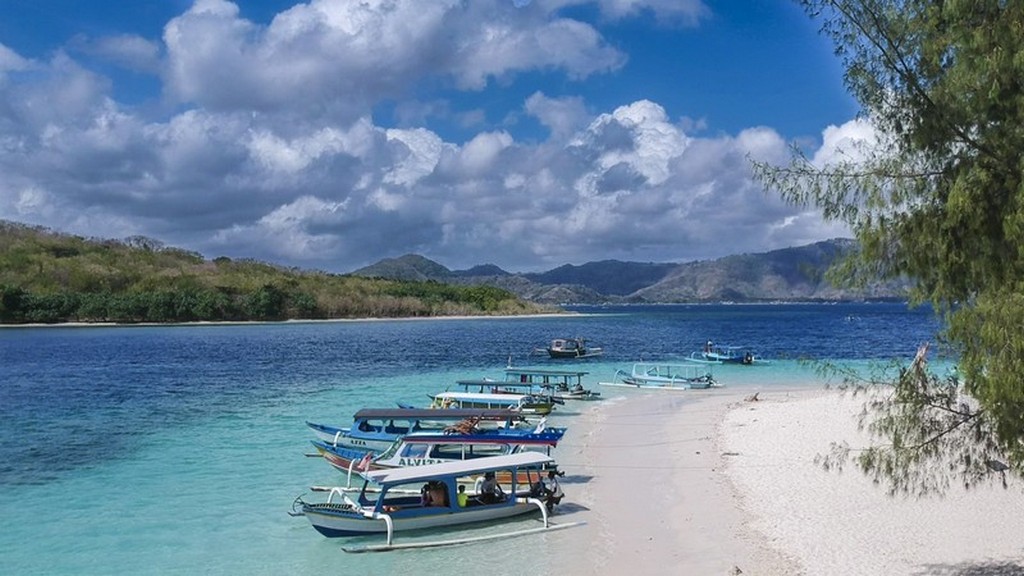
point(439, 543)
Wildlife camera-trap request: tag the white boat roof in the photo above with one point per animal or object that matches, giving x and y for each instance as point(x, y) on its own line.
point(544, 371)
point(507, 398)
point(459, 468)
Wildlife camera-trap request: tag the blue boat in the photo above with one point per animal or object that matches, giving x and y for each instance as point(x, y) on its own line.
point(376, 429)
point(432, 447)
point(720, 354)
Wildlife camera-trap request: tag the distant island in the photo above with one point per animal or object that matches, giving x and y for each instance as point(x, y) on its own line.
point(51, 277)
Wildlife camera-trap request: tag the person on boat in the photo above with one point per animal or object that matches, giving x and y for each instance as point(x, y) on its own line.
point(707, 347)
point(552, 490)
point(425, 498)
point(490, 491)
point(462, 497)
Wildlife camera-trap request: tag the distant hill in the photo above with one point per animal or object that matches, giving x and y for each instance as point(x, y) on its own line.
point(50, 277)
point(610, 277)
point(409, 267)
point(789, 274)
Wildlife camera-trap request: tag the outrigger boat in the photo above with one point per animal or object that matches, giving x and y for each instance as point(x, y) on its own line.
point(376, 429)
point(458, 442)
point(665, 376)
point(559, 384)
point(390, 500)
point(718, 354)
point(522, 403)
point(570, 348)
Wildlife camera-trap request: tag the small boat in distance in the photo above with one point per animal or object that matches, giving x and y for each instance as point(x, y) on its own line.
point(719, 354)
point(666, 376)
point(570, 348)
point(424, 497)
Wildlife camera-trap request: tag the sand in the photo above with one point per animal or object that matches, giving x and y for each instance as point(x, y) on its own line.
point(704, 482)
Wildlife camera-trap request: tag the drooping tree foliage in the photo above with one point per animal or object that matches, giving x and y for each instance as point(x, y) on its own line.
point(936, 197)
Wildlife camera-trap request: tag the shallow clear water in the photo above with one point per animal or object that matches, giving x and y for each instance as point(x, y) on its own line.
point(179, 449)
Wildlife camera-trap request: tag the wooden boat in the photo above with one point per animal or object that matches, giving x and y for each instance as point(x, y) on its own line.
point(390, 500)
point(558, 384)
point(665, 376)
point(431, 447)
point(570, 348)
point(719, 354)
point(376, 429)
point(522, 403)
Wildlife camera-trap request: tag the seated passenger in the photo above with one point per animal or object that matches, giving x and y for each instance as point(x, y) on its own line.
point(462, 497)
point(490, 491)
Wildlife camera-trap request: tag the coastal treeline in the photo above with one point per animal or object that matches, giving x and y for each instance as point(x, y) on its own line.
point(935, 195)
point(50, 277)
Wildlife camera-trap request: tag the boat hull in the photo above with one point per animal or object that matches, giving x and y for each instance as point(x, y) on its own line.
point(334, 522)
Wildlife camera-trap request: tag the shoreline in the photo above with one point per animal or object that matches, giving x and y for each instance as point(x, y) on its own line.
point(200, 323)
point(709, 482)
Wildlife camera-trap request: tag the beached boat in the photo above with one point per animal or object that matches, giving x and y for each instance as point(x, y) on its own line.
point(458, 442)
point(376, 429)
point(719, 354)
point(426, 497)
point(529, 404)
point(665, 376)
point(570, 348)
point(559, 384)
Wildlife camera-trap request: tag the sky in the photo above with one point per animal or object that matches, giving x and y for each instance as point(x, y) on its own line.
point(331, 134)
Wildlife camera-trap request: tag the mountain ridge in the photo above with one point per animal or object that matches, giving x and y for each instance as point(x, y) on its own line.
point(788, 274)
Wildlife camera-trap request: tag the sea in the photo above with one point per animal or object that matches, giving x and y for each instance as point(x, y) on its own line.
point(181, 449)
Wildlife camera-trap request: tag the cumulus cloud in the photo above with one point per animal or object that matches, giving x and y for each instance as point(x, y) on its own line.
point(688, 12)
point(271, 149)
point(338, 58)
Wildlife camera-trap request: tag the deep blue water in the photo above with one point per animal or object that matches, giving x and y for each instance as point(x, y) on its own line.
point(128, 423)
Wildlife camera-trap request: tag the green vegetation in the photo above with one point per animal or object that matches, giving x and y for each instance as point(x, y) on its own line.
point(939, 198)
point(50, 277)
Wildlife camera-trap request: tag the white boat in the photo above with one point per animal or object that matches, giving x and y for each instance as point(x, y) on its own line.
point(665, 376)
point(392, 500)
point(522, 403)
point(558, 384)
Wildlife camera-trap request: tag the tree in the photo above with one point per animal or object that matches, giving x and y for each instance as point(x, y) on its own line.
point(937, 198)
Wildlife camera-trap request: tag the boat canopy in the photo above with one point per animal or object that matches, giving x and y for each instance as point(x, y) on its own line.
point(390, 476)
point(510, 371)
point(454, 414)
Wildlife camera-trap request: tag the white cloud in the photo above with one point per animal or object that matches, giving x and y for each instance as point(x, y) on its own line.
point(688, 12)
point(128, 50)
point(850, 142)
point(562, 116)
point(338, 58)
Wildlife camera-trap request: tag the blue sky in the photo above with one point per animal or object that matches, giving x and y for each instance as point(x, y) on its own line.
point(331, 134)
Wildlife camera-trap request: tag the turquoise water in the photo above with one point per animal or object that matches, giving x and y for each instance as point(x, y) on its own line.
point(179, 450)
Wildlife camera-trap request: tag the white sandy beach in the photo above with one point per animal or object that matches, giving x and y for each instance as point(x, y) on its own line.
point(703, 482)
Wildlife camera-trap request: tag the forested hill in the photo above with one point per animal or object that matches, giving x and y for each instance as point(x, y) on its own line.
point(48, 277)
